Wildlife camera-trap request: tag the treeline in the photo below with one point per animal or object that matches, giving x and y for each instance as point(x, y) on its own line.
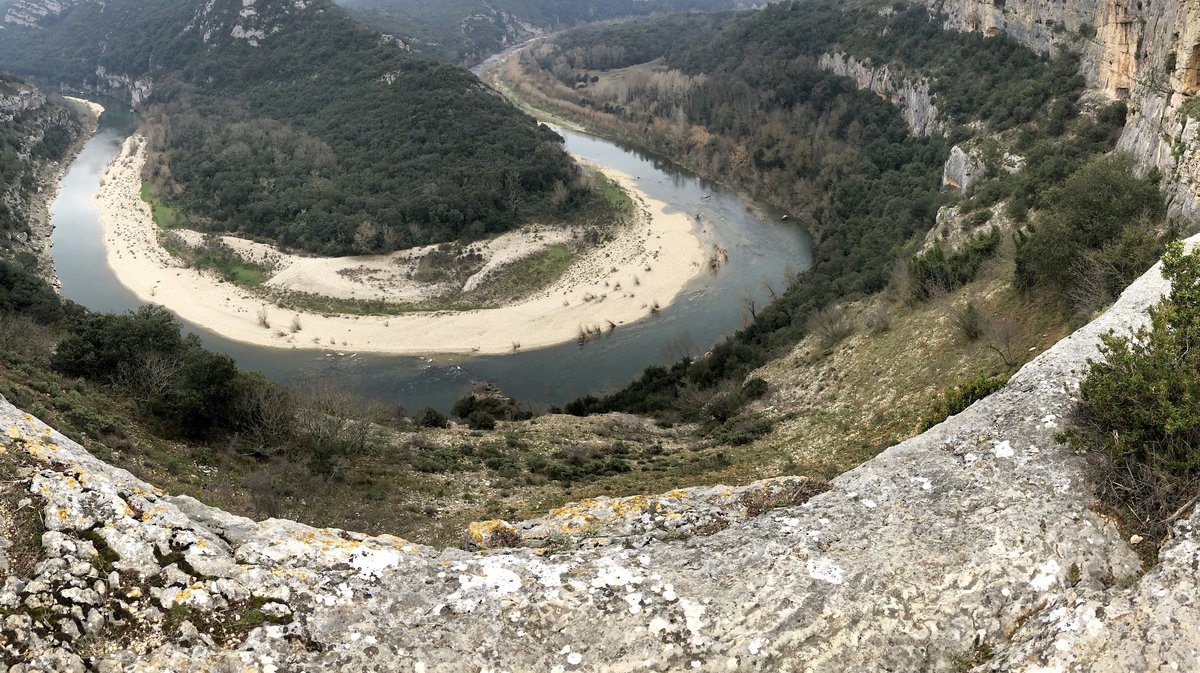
point(742, 100)
point(59, 358)
point(314, 131)
point(465, 32)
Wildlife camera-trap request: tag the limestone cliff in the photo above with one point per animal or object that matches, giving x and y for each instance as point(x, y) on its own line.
point(39, 133)
point(1146, 52)
point(910, 95)
point(974, 544)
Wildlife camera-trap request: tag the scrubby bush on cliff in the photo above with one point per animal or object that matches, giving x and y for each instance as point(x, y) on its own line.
point(1139, 404)
point(481, 420)
point(960, 396)
point(23, 293)
point(1102, 214)
point(935, 271)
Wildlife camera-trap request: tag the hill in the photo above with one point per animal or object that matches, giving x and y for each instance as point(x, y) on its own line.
point(291, 121)
point(467, 31)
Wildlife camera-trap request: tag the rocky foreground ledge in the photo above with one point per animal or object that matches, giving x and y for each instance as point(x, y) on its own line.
point(970, 547)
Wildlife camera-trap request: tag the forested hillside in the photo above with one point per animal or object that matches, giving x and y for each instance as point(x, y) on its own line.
point(467, 31)
point(33, 133)
point(741, 98)
point(291, 121)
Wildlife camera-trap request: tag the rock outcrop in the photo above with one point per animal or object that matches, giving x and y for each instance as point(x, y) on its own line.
point(1148, 53)
point(961, 169)
point(972, 544)
point(910, 95)
point(31, 13)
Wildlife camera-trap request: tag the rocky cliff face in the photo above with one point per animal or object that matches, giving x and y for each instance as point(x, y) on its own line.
point(910, 95)
point(1146, 52)
point(972, 545)
point(27, 119)
point(32, 13)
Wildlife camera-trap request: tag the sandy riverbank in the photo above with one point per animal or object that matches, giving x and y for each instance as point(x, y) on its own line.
point(586, 295)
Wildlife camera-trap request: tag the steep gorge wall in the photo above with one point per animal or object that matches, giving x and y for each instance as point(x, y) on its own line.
point(974, 544)
point(910, 95)
point(1148, 52)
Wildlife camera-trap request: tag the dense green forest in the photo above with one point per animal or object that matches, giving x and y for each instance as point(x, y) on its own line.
point(42, 131)
point(291, 121)
point(467, 31)
point(740, 98)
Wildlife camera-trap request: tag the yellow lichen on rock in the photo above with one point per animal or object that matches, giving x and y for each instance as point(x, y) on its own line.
point(492, 534)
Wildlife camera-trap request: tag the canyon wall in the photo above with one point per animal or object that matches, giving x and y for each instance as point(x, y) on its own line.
point(1147, 52)
point(910, 95)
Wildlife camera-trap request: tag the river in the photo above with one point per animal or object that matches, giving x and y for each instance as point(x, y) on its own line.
point(762, 250)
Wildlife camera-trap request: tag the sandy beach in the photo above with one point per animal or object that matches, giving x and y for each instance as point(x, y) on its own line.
point(608, 284)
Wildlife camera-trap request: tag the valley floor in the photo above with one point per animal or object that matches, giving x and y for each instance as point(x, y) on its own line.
point(587, 295)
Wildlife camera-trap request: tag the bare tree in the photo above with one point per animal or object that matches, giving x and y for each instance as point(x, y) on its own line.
point(750, 305)
point(1089, 283)
point(334, 425)
point(366, 236)
point(19, 334)
point(1004, 339)
point(270, 414)
point(830, 325)
point(155, 376)
point(679, 347)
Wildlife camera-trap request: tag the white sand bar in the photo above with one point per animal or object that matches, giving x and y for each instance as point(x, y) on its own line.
point(585, 295)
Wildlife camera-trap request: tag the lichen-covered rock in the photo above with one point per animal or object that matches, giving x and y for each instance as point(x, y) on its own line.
point(974, 540)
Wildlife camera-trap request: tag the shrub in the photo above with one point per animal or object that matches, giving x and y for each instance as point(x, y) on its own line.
point(879, 320)
point(1138, 405)
point(742, 430)
point(431, 418)
point(830, 326)
point(968, 321)
point(934, 271)
point(960, 396)
point(754, 389)
point(1091, 210)
point(481, 420)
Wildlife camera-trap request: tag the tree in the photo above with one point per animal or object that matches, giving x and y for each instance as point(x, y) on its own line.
point(1139, 403)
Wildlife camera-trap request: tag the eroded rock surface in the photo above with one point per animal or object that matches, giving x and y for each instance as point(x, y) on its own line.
point(955, 546)
point(909, 94)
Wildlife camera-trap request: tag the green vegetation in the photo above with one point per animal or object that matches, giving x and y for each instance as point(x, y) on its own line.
point(612, 192)
point(165, 217)
point(1100, 229)
point(21, 153)
point(466, 31)
point(429, 417)
point(933, 271)
point(532, 272)
point(1190, 108)
point(960, 396)
point(214, 254)
point(739, 97)
point(317, 134)
point(1138, 406)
